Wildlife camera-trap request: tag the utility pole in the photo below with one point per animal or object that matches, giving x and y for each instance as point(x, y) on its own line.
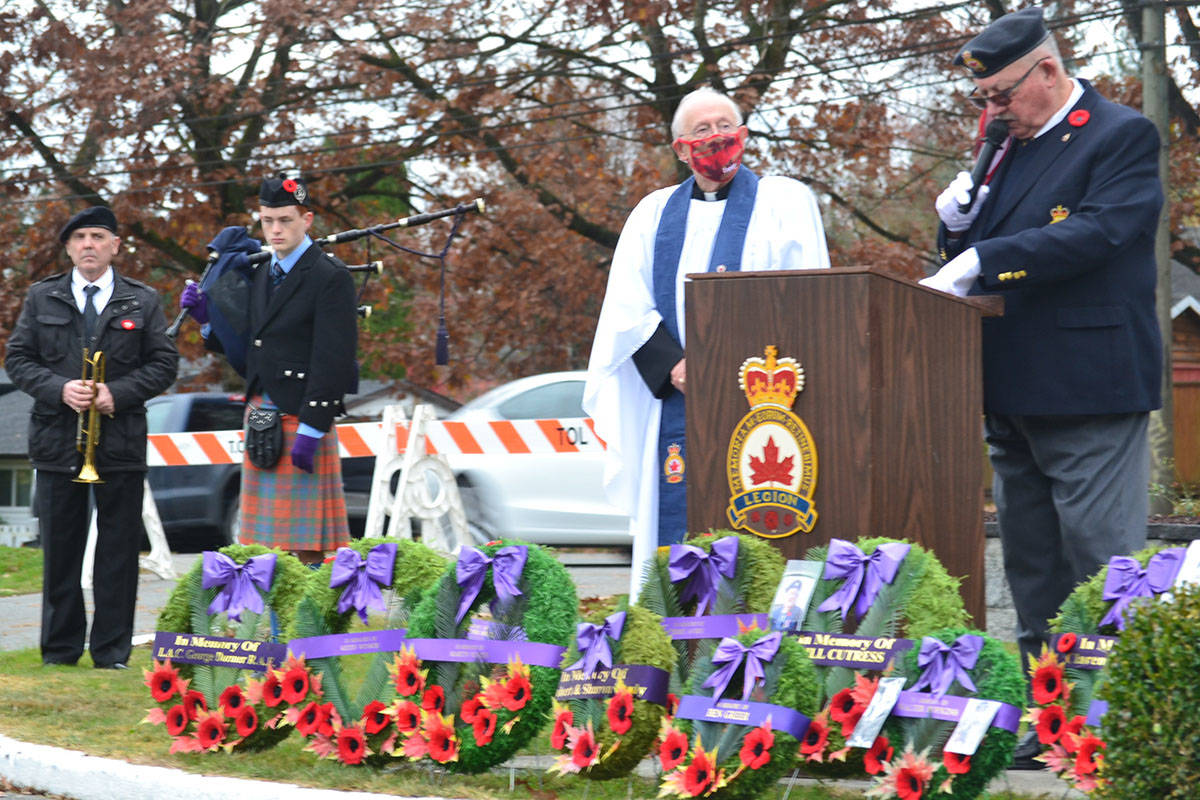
point(1154, 107)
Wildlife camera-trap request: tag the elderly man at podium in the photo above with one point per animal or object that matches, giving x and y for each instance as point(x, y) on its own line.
point(722, 218)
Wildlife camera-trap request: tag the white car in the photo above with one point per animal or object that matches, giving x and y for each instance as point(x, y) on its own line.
point(545, 498)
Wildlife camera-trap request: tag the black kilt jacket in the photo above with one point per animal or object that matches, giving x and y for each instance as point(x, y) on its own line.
point(1067, 237)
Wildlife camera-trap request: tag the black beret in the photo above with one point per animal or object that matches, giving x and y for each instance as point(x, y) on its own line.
point(1003, 42)
point(94, 217)
point(282, 191)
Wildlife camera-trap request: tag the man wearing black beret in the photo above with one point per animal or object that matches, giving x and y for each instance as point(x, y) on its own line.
point(1064, 231)
point(300, 362)
point(91, 309)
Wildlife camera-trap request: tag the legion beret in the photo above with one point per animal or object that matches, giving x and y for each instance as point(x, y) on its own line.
point(1003, 42)
point(94, 217)
point(282, 191)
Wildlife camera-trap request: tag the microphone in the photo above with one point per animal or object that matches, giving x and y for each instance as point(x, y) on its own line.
point(993, 136)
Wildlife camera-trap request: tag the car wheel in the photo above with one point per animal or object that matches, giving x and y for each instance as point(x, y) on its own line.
point(231, 524)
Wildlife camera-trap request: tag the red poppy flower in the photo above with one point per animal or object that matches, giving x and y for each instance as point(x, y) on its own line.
point(272, 690)
point(879, 754)
point(211, 731)
point(434, 699)
point(177, 720)
point(558, 737)
point(1079, 117)
point(1066, 642)
point(470, 709)
point(956, 763)
point(195, 704)
point(1088, 756)
point(328, 718)
point(484, 727)
point(756, 747)
point(909, 785)
point(443, 747)
point(585, 752)
point(699, 775)
point(673, 750)
point(1070, 734)
point(289, 185)
point(1050, 724)
point(246, 721)
point(845, 709)
point(408, 716)
point(620, 713)
point(516, 692)
point(311, 718)
point(815, 738)
point(231, 701)
point(1047, 684)
point(163, 682)
point(672, 704)
point(295, 685)
point(374, 718)
point(409, 680)
point(351, 745)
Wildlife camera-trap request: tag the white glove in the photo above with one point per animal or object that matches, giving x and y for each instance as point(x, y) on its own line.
point(957, 276)
point(955, 195)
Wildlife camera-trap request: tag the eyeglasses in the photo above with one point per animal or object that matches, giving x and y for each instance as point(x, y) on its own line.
point(1003, 98)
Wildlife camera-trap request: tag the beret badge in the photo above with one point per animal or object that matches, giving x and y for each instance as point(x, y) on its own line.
point(972, 63)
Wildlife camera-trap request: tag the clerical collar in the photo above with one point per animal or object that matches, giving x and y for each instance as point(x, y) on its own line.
point(722, 192)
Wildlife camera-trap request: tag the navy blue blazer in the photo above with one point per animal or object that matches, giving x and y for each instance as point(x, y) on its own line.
point(1067, 237)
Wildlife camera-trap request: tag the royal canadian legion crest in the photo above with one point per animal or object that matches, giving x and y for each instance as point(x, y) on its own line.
point(772, 462)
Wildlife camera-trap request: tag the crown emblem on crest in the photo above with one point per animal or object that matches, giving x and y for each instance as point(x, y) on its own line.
point(1059, 213)
point(771, 381)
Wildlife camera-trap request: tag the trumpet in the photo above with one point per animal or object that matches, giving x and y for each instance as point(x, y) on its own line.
point(87, 433)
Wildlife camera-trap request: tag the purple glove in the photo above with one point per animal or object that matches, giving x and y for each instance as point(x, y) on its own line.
point(303, 450)
point(194, 302)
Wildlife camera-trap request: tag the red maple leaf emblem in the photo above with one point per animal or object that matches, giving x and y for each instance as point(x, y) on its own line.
point(769, 469)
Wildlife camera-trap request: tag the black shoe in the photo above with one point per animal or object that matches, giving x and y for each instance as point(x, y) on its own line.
point(1026, 752)
point(50, 662)
point(114, 665)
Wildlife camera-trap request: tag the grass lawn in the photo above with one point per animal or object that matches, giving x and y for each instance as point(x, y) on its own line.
point(20, 571)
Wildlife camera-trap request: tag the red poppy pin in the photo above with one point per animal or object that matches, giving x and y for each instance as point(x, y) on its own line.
point(289, 185)
point(127, 324)
point(1079, 118)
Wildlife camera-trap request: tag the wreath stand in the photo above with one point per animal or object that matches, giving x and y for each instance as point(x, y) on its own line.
point(159, 559)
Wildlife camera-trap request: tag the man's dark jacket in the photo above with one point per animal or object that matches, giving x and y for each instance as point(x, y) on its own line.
point(1067, 237)
point(46, 350)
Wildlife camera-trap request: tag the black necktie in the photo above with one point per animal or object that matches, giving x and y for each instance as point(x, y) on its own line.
point(277, 276)
point(89, 310)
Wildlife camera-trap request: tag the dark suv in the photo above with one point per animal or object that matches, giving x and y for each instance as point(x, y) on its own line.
point(206, 497)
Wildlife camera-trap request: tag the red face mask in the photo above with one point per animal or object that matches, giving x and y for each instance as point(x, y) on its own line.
point(716, 157)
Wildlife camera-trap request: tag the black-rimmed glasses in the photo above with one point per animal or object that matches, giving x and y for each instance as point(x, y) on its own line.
point(1003, 98)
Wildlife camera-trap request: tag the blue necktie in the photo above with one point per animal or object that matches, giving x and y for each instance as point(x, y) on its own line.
point(277, 276)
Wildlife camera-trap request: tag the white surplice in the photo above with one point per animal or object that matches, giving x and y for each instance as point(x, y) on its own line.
point(785, 232)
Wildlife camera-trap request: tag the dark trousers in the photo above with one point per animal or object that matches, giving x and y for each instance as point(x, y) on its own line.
point(63, 519)
point(1071, 492)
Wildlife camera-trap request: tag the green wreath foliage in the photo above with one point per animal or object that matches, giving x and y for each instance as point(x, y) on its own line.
point(1153, 741)
point(997, 676)
point(789, 680)
point(546, 611)
point(643, 641)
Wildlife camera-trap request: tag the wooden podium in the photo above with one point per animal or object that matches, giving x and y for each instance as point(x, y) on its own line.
point(892, 398)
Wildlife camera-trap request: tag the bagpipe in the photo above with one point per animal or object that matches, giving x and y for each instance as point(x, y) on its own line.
point(234, 257)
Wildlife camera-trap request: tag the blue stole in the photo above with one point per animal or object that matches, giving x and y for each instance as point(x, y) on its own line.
point(668, 247)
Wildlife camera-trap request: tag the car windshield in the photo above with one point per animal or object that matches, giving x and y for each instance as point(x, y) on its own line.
point(553, 401)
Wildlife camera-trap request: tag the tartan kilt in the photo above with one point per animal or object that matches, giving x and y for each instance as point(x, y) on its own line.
point(288, 508)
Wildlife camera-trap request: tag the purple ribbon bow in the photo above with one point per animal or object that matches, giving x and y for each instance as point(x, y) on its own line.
point(942, 663)
point(703, 569)
point(240, 583)
point(507, 566)
point(865, 575)
point(1127, 581)
point(592, 641)
point(730, 653)
point(364, 580)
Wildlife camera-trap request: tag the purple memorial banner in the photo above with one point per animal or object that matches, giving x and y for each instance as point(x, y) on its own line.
point(714, 627)
point(949, 708)
point(536, 654)
point(217, 651)
point(1090, 651)
point(742, 712)
point(646, 682)
point(348, 644)
point(852, 652)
